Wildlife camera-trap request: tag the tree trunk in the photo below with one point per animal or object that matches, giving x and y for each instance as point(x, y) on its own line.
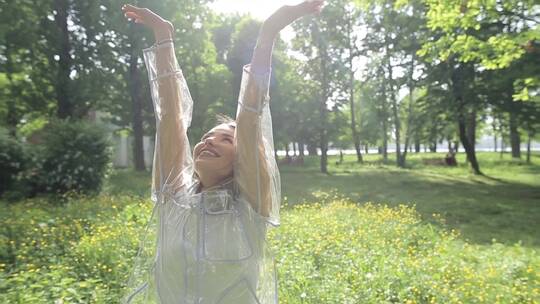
point(502, 147)
point(324, 151)
point(301, 149)
point(385, 143)
point(355, 135)
point(471, 128)
point(461, 75)
point(397, 126)
point(312, 149)
point(515, 141)
point(494, 128)
point(63, 82)
point(294, 148)
point(467, 145)
point(351, 51)
point(323, 132)
point(366, 149)
point(417, 145)
point(287, 151)
point(395, 109)
point(382, 115)
point(137, 120)
point(12, 115)
point(529, 139)
point(403, 158)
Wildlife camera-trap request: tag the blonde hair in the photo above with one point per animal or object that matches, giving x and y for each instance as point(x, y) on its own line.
point(225, 119)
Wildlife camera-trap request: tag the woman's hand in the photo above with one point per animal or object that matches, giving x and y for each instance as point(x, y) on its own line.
point(262, 56)
point(163, 29)
point(288, 14)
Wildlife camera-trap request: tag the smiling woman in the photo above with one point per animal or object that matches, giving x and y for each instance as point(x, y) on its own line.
point(214, 155)
point(213, 207)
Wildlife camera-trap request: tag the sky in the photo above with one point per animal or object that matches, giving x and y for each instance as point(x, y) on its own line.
point(258, 9)
point(262, 9)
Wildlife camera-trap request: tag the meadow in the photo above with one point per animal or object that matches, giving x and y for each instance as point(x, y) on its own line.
point(504, 204)
point(367, 233)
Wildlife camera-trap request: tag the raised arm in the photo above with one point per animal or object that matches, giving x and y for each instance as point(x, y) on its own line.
point(172, 167)
point(262, 55)
point(256, 171)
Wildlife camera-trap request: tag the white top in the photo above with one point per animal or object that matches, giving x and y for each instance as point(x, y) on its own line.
point(208, 247)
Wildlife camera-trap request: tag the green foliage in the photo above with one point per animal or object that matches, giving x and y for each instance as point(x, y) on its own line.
point(12, 160)
point(493, 33)
point(75, 157)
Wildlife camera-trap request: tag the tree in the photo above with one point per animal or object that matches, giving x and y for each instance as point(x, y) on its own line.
point(343, 19)
point(494, 34)
point(22, 60)
point(394, 35)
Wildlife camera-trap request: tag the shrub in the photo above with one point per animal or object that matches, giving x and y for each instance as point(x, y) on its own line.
point(12, 160)
point(75, 157)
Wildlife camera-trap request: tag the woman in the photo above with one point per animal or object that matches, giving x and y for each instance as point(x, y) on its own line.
point(212, 208)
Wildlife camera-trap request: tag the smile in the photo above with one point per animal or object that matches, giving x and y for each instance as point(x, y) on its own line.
point(208, 153)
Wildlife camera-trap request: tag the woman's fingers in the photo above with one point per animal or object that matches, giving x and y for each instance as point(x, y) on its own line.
point(132, 15)
point(140, 15)
point(161, 27)
point(132, 12)
point(288, 14)
point(312, 6)
point(131, 8)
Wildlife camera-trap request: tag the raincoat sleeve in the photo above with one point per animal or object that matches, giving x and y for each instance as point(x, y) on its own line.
point(256, 173)
point(173, 165)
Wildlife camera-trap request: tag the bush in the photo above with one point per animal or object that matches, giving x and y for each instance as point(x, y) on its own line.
point(75, 157)
point(12, 160)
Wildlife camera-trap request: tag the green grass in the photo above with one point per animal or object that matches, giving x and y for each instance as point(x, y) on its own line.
point(329, 249)
point(504, 204)
point(129, 182)
point(337, 252)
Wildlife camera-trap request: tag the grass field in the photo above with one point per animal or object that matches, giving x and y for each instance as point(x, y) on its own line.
point(504, 204)
point(329, 249)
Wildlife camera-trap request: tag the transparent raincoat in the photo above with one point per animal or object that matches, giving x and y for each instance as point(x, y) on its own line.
point(207, 247)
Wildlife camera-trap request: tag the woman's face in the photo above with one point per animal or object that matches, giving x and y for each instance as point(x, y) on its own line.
point(214, 154)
